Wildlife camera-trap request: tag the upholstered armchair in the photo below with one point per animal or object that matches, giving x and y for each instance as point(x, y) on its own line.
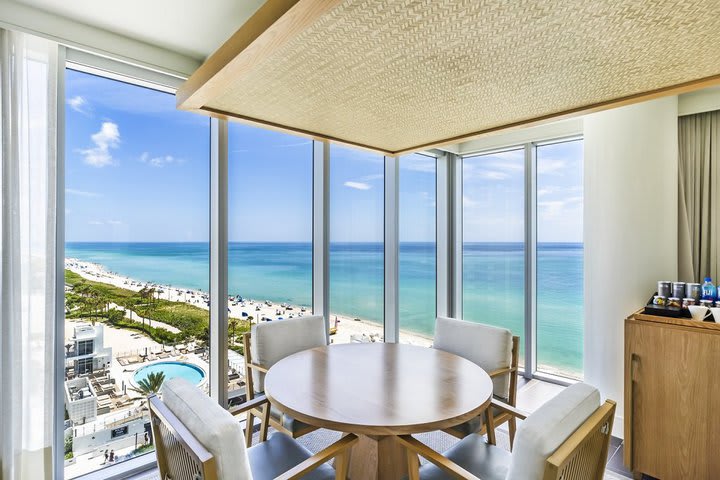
point(496, 351)
point(266, 344)
point(566, 438)
point(196, 439)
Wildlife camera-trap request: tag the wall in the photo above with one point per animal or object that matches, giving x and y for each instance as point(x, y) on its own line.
point(630, 227)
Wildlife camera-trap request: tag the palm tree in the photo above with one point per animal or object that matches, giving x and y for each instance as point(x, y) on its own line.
point(150, 384)
point(233, 325)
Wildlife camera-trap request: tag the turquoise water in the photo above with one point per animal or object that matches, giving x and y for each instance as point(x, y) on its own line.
point(189, 372)
point(493, 276)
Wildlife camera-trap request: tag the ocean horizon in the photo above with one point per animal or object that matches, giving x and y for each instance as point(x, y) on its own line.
point(493, 276)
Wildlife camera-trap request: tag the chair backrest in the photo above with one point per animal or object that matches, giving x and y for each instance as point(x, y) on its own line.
point(270, 342)
point(487, 346)
point(570, 430)
point(195, 438)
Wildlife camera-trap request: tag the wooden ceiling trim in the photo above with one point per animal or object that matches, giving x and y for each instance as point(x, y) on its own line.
point(576, 112)
point(285, 129)
point(375, 73)
point(273, 24)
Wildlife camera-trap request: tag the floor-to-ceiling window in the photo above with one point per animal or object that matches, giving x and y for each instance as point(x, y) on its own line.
point(270, 233)
point(356, 245)
point(417, 255)
point(136, 225)
point(495, 226)
point(494, 239)
point(560, 258)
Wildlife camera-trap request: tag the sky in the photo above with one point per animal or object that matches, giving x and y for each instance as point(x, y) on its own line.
point(137, 170)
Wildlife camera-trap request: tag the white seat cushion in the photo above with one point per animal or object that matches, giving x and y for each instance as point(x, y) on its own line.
point(273, 341)
point(486, 346)
point(548, 427)
point(213, 426)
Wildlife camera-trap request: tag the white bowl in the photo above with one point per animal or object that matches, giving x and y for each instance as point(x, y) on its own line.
point(698, 312)
point(716, 314)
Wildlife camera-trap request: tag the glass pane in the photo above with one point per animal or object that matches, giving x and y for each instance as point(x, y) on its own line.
point(356, 245)
point(136, 219)
point(560, 258)
point(270, 234)
point(417, 249)
point(494, 240)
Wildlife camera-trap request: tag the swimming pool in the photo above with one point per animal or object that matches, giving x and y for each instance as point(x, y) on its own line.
point(188, 371)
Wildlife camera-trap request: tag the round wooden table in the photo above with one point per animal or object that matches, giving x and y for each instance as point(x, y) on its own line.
point(377, 391)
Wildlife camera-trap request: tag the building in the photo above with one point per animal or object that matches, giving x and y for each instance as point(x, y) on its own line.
point(80, 401)
point(85, 350)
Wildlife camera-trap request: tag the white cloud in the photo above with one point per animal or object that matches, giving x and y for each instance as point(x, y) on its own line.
point(80, 193)
point(79, 104)
point(105, 222)
point(469, 202)
point(550, 166)
point(557, 208)
point(160, 161)
point(418, 163)
point(544, 191)
point(107, 138)
point(492, 175)
point(357, 185)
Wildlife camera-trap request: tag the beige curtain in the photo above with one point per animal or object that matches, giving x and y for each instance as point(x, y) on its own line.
point(699, 197)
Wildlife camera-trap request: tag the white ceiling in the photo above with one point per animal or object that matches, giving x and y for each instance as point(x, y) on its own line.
point(195, 28)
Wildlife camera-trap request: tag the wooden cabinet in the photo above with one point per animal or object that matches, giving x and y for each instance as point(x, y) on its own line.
point(672, 397)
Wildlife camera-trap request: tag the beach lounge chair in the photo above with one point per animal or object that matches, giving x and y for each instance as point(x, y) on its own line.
point(266, 344)
point(494, 349)
point(196, 438)
point(566, 438)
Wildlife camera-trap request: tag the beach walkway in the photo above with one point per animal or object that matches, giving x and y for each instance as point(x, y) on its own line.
point(131, 315)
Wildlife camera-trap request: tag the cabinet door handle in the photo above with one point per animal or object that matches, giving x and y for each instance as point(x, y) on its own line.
point(634, 362)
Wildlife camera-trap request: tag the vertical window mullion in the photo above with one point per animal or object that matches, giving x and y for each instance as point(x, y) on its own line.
point(218, 260)
point(457, 234)
point(530, 259)
point(443, 252)
point(391, 250)
point(321, 231)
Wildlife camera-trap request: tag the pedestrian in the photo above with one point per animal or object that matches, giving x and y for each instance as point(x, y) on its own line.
point(147, 439)
point(112, 456)
point(106, 456)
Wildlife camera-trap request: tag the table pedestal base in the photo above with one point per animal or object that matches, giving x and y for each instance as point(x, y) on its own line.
point(381, 458)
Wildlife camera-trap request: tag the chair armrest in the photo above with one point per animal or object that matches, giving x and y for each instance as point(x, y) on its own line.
point(443, 463)
point(500, 371)
point(257, 367)
point(337, 448)
point(504, 407)
point(249, 405)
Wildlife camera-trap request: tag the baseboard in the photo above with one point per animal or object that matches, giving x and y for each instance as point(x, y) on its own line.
point(619, 427)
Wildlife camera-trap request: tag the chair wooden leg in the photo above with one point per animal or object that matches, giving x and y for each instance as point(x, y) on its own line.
point(249, 425)
point(512, 426)
point(265, 423)
point(413, 465)
point(342, 462)
point(490, 421)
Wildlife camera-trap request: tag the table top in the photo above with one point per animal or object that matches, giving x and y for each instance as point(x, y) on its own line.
point(378, 388)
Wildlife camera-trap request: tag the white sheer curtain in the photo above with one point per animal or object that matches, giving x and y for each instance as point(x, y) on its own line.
point(28, 94)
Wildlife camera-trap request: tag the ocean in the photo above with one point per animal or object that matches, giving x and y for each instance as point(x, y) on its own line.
point(493, 278)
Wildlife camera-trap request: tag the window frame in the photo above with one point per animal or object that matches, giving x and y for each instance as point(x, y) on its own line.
point(77, 60)
point(529, 370)
point(448, 237)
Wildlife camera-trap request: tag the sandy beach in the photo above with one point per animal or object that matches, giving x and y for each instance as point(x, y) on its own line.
point(348, 329)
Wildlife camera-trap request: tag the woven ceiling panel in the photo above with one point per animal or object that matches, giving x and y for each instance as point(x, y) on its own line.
point(397, 74)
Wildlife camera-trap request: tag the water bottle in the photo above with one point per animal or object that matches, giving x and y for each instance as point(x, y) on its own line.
point(709, 292)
